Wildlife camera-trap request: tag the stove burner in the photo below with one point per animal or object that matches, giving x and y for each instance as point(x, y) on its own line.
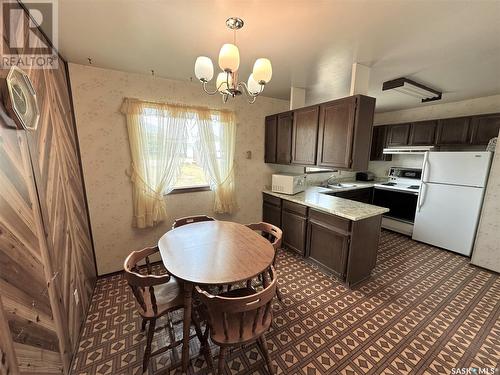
point(389, 184)
point(415, 187)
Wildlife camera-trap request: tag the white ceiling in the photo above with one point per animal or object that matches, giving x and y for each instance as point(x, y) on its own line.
point(453, 46)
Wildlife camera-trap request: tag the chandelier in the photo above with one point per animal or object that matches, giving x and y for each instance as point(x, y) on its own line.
point(229, 61)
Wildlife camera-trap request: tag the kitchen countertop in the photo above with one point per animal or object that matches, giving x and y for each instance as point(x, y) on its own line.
point(346, 208)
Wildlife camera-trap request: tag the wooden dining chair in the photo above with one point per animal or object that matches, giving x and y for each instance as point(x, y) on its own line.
point(273, 235)
point(240, 316)
point(191, 219)
point(156, 295)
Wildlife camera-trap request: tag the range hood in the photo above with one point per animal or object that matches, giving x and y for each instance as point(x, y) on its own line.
point(407, 150)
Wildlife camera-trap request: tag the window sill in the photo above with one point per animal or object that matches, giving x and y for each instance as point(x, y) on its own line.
point(189, 190)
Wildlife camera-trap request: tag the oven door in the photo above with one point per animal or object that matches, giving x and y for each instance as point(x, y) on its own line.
point(402, 205)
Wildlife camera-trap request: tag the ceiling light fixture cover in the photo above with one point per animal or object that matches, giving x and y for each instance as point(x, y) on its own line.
point(229, 62)
point(412, 88)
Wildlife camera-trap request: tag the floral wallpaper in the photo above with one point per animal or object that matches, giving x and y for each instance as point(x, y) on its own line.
point(97, 95)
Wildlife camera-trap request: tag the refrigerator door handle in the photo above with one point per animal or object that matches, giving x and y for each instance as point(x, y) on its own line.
point(425, 167)
point(421, 196)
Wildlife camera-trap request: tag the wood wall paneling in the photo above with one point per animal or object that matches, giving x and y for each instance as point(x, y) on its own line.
point(46, 252)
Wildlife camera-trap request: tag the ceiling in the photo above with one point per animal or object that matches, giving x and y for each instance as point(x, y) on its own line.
point(453, 46)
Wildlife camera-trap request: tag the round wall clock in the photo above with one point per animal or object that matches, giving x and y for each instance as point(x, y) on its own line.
point(21, 101)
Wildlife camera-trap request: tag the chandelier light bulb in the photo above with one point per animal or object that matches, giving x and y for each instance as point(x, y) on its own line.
point(226, 83)
point(253, 86)
point(204, 69)
point(262, 70)
point(223, 78)
point(229, 58)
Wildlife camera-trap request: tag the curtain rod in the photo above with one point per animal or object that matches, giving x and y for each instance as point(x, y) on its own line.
point(180, 105)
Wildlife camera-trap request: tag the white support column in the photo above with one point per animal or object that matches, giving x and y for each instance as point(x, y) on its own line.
point(297, 97)
point(360, 79)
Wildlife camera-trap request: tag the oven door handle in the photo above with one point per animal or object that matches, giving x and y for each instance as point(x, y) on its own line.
point(396, 190)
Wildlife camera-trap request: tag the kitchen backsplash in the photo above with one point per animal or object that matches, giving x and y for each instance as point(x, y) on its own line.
point(381, 168)
point(313, 178)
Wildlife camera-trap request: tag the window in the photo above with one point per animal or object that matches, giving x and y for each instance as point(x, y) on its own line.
point(175, 147)
point(192, 174)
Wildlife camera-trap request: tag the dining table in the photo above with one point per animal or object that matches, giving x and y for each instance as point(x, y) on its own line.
point(212, 253)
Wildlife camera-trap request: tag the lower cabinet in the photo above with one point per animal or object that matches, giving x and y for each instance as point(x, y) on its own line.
point(344, 248)
point(327, 246)
point(271, 210)
point(294, 227)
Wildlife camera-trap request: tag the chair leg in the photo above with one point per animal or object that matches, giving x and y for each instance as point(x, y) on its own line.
point(149, 340)
point(263, 347)
point(197, 328)
point(222, 355)
point(143, 325)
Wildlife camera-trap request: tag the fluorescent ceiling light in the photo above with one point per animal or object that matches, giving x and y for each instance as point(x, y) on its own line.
point(412, 88)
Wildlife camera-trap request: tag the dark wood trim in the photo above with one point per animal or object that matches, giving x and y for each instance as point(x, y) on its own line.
point(84, 188)
point(189, 190)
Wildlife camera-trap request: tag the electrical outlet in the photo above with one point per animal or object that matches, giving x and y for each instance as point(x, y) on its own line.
point(77, 298)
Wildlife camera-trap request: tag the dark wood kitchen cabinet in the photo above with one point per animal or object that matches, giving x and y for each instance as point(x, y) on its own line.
point(271, 128)
point(345, 130)
point(304, 135)
point(423, 133)
point(294, 226)
point(328, 242)
point(483, 128)
point(398, 135)
point(335, 134)
point(271, 209)
point(453, 131)
point(284, 138)
point(345, 248)
point(379, 142)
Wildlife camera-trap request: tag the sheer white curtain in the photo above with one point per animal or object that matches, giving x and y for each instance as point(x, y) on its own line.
point(157, 135)
point(158, 138)
point(217, 130)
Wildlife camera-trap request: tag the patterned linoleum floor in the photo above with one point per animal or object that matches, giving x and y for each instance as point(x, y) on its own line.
point(424, 311)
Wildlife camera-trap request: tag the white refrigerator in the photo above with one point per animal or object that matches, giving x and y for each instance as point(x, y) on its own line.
point(450, 199)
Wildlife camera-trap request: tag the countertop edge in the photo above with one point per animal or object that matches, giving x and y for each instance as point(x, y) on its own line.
point(289, 198)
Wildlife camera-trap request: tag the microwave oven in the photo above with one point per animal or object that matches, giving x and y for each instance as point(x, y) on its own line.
point(288, 183)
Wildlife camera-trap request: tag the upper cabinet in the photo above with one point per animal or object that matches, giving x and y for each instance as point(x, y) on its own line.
point(453, 131)
point(270, 139)
point(335, 134)
point(379, 142)
point(284, 138)
point(344, 137)
point(423, 133)
point(336, 128)
point(450, 133)
point(484, 128)
point(304, 136)
point(398, 135)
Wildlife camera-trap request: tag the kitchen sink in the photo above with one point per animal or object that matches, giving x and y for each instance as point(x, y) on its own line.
point(341, 186)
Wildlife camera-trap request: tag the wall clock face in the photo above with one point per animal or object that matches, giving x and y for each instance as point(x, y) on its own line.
point(21, 100)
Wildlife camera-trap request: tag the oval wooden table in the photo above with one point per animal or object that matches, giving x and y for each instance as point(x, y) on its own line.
point(212, 253)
